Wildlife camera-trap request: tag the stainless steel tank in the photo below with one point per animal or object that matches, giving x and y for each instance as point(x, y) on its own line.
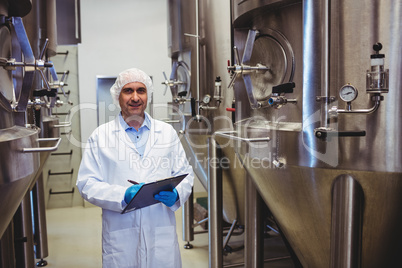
point(331, 173)
point(199, 44)
point(24, 152)
point(18, 169)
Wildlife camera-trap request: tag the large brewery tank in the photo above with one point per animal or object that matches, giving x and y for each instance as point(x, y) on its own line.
point(25, 148)
point(200, 47)
point(18, 168)
point(331, 173)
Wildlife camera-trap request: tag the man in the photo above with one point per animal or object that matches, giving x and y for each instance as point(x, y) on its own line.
point(137, 147)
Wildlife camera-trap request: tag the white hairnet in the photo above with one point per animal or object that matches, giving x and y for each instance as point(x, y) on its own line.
point(129, 76)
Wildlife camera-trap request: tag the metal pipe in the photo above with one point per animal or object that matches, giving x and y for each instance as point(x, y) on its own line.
point(39, 215)
point(63, 124)
point(24, 244)
point(197, 30)
point(200, 222)
point(187, 221)
point(43, 149)
point(229, 234)
point(254, 242)
point(215, 229)
point(214, 209)
point(360, 111)
point(325, 63)
point(225, 230)
point(228, 135)
point(203, 107)
point(42, 53)
point(171, 121)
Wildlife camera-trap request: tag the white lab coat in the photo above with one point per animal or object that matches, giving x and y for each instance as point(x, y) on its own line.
point(145, 238)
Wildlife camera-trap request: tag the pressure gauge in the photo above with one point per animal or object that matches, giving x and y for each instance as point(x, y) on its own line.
point(206, 99)
point(348, 93)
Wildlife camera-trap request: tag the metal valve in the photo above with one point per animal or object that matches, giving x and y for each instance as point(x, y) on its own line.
point(30, 64)
point(241, 67)
point(376, 82)
point(58, 83)
point(206, 100)
point(179, 82)
point(170, 83)
point(277, 99)
point(36, 104)
point(377, 77)
point(12, 64)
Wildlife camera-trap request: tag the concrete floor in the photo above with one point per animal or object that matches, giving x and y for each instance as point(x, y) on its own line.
point(74, 237)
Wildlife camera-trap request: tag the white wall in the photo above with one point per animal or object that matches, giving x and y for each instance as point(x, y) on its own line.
point(117, 35)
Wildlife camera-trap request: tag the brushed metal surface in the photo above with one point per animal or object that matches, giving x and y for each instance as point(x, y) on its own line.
point(299, 192)
point(17, 170)
point(48, 129)
point(215, 50)
point(6, 77)
point(300, 200)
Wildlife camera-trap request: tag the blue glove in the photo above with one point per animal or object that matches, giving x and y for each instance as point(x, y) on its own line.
point(167, 197)
point(131, 191)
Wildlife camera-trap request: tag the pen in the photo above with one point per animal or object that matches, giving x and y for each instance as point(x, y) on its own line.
point(133, 182)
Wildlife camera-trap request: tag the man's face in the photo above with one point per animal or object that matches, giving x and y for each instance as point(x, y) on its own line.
point(133, 100)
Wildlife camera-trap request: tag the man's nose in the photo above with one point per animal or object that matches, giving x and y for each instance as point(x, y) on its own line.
point(134, 96)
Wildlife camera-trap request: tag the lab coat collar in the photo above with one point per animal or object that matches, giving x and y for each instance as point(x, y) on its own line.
point(154, 132)
point(125, 126)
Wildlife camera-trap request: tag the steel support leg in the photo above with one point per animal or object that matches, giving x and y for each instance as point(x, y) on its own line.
point(7, 254)
point(187, 221)
point(215, 229)
point(254, 240)
point(346, 222)
point(24, 246)
point(40, 227)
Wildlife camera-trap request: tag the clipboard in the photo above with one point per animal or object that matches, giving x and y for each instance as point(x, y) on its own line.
point(145, 195)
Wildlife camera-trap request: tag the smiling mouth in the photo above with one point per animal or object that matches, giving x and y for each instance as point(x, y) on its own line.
point(134, 105)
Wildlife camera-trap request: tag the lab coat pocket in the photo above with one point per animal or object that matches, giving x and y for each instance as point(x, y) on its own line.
point(166, 247)
point(121, 248)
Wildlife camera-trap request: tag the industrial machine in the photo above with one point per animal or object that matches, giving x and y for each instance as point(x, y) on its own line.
point(28, 131)
point(199, 46)
point(319, 82)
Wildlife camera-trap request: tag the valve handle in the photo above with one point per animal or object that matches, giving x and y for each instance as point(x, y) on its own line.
point(62, 84)
point(42, 53)
point(284, 88)
point(182, 94)
point(193, 111)
point(377, 47)
point(248, 49)
point(236, 53)
point(328, 134)
point(166, 83)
